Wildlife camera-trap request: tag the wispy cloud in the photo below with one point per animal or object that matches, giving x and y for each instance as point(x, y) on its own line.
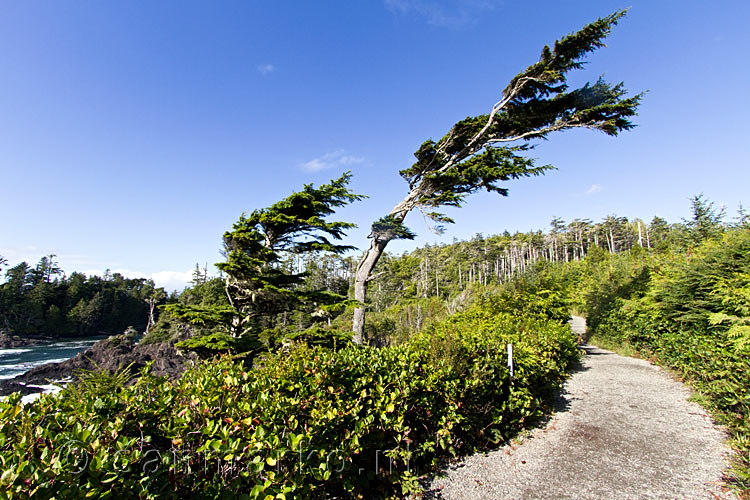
point(443, 12)
point(595, 188)
point(266, 69)
point(16, 254)
point(338, 158)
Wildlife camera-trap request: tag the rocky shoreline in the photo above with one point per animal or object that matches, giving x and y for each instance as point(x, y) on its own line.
point(110, 355)
point(8, 341)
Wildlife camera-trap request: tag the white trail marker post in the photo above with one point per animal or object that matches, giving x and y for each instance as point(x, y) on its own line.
point(510, 359)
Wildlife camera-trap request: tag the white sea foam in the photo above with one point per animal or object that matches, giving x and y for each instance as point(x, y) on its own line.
point(13, 351)
point(54, 360)
point(16, 361)
point(46, 389)
point(79, 344)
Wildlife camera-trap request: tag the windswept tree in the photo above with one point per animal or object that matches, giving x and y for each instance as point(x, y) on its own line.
point(482, 151)
point(259, 286)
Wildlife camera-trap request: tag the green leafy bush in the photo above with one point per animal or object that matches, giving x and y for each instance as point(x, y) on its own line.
point(312, 422)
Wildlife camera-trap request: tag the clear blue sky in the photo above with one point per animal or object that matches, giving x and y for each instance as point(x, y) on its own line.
point(132, 134)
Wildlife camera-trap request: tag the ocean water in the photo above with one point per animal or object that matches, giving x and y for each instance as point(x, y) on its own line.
point(22, 359)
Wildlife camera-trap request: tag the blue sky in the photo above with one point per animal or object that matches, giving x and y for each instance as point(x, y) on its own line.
point(132, 134)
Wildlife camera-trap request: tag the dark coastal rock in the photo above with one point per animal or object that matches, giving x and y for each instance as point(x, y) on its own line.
point(9, 386)
point(8, 341)
point(110, 355)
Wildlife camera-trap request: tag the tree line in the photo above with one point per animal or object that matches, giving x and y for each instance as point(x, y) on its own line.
point(444, 270)
point(42, 300)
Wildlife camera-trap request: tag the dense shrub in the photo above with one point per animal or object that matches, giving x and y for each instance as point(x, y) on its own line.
point(311, 422)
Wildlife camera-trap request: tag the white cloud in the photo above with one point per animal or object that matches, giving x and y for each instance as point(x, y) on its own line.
point(339, 158)
point(266, 69)
point(443, 12)
point(172, 280)
point(595, 188)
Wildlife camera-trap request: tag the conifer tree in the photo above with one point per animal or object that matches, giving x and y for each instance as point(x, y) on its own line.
point(482, 151)
point(257, 286)
point(706, 222)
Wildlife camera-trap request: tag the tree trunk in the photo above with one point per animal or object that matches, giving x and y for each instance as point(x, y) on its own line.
point(640, 237)
point(361, 280)
point(371, 257)
point(151, 304)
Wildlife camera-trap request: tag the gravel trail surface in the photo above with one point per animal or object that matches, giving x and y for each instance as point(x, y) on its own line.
point(624, 430)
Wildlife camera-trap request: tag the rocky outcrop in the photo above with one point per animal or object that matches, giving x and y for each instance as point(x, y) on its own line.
point(109, 355)
point(8, 341)
point(10, 386)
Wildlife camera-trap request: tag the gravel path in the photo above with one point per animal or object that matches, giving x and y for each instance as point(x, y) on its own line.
point(624, 430)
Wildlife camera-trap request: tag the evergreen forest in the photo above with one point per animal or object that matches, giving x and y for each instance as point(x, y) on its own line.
point(42, 301)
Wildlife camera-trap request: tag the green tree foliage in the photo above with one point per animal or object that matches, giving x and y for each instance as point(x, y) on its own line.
point(734, 294)
point(45, 270)
point(276, 279)
point(658, 232)
point(206, 292)
point(706, 221)
point(475, 153)
point(257, 286)
point(41, 300)
point(201, 304)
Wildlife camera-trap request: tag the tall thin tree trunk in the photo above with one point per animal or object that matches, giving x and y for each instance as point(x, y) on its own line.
point(151, 305)
point(361, 280)
point(640, 237)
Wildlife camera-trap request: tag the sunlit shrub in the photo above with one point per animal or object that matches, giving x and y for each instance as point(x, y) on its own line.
point(310, 422)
